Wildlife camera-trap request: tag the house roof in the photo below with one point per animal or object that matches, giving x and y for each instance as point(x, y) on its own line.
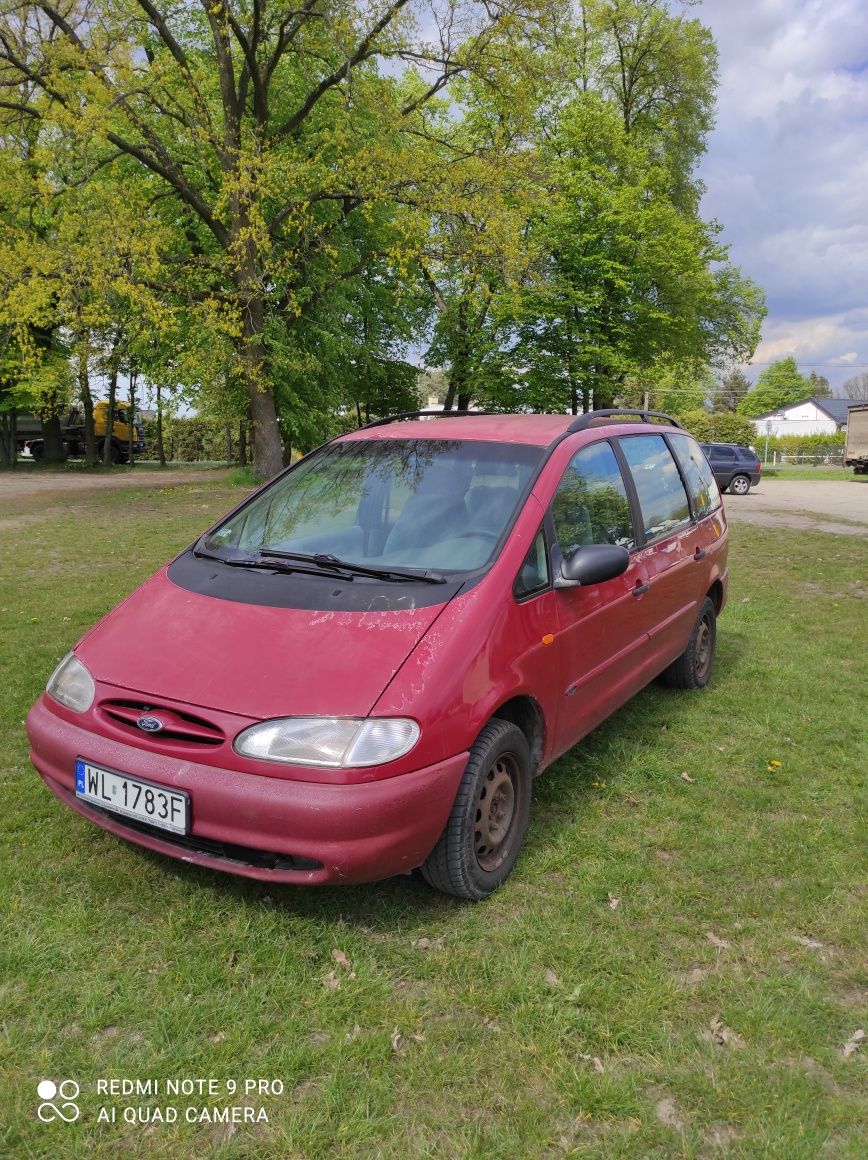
point(835, 408)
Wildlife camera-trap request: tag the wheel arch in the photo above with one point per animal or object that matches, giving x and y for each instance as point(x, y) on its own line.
point(526, 714)
point(715, 595)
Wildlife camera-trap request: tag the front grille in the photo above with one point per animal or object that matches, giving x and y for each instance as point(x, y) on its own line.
point(227, 851)
point(179, 727)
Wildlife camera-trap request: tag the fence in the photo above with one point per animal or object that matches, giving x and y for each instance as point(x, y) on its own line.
point(792, 459)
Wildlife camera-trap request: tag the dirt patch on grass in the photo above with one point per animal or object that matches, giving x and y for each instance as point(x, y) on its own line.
point(18, 484)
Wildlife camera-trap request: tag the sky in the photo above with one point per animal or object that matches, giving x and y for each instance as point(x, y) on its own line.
point(786, 172)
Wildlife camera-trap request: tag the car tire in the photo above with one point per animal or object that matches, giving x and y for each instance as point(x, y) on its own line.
point(739, 484)
point(482, 838)
point(692, 670)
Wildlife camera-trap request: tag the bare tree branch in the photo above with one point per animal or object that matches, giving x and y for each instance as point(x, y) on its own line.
point(363, 51)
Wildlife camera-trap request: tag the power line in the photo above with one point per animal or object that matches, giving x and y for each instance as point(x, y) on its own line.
point(833, 366)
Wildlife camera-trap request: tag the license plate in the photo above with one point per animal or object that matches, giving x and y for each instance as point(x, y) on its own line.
point(167, 808)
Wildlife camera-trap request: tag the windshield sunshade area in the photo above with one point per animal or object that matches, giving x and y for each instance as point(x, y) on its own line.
point(426, 504)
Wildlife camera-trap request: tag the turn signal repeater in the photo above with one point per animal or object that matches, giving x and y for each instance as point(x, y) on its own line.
point(549, 638)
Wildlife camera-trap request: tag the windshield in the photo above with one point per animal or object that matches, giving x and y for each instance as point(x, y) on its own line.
point(421, 503)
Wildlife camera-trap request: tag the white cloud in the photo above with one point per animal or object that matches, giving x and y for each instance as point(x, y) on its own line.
point(787, 167)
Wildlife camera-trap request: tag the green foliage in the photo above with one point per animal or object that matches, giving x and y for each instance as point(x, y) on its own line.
point(730, 391)
point(819, 385)
point(263, 211)
point(718, 426)
point(806, 444)
point(779, 384)
point(624, 284)
point(193, 439)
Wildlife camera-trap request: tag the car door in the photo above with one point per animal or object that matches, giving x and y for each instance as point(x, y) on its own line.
point(668, 553)
point(602, 633)
point(723, 465)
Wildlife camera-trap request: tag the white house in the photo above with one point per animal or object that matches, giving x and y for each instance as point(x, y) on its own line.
point(806, 417)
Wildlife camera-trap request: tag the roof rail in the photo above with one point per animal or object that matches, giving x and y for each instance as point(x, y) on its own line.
point(592, 418)
point(587, 420)
point(425, 415)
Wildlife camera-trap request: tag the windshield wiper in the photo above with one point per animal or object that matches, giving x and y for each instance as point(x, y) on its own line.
point(276, 563)
point(327, 560)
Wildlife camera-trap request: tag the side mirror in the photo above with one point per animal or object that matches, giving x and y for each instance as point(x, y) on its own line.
point(592, 564)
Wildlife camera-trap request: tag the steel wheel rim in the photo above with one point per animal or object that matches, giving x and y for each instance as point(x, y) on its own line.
point(704, 641)
point(496, 813)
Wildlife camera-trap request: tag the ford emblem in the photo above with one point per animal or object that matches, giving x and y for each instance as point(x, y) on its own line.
point(150, 724)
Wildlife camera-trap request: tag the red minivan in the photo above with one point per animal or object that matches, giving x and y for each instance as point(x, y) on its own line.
point(360, 670)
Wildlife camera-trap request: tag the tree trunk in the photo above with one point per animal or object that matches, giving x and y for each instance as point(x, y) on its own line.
point(131, 430)
point(8, 439)
point(53, 450)
point(242, 442)
point(87, 407)
point(267, 447)
point(110, 418)
point(161, 450)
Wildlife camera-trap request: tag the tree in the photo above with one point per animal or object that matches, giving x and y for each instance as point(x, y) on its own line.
point(856, 387)
point(820, 388)
point(730, 391)
point(264, 130)
point(778, 385)
point(718, 426)
point(627, 283)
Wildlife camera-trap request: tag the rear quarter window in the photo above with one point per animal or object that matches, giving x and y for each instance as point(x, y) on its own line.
point(701, 484)
point(662, 498)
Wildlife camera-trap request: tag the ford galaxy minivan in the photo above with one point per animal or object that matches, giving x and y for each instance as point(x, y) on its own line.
point(361, 669)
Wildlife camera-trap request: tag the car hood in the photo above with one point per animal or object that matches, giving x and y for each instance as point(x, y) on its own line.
point(249, 659)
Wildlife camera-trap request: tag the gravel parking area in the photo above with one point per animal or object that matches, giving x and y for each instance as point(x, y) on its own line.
point(822, 506)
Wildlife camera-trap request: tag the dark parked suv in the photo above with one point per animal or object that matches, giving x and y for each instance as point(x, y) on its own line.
point(735, 467)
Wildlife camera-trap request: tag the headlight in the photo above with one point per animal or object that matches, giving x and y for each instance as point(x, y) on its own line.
point(72, 684)
point(337, 742)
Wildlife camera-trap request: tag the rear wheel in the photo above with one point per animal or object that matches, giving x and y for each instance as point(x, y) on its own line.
point(692, 670)
point(739, 484)
point(483, 836)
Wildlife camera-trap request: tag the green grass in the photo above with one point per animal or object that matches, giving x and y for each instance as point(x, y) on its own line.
point(781, 471)
point(117, 963)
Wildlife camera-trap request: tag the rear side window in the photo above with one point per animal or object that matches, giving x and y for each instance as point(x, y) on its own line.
point(591, 505)
point(662, 497)
point(719, 452)
point(701, 484)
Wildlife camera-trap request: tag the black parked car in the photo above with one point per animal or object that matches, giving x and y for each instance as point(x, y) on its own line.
point(735, 467)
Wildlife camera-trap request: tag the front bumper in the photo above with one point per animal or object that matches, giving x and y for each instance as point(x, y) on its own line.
point(261, 827)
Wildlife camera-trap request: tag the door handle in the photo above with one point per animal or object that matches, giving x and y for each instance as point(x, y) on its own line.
point(641, 589)
point(699, 554)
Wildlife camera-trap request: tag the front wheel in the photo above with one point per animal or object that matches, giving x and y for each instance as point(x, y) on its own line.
point(740, 485)
point(692, 670)
point(482, 839)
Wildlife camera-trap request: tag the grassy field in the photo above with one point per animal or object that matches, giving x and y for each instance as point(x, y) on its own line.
point(673, 970)
point(782, 471)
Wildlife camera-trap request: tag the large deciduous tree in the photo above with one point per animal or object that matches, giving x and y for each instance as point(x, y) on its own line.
point(856, 387)
point(265, 128)
point(627, 282)
point(777, 386)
